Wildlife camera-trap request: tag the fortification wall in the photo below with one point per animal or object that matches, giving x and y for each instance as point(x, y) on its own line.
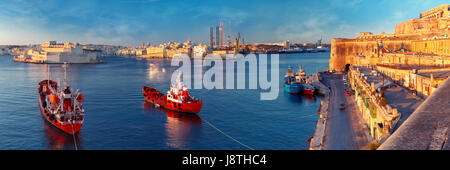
point(427, 35)
point(361, 52)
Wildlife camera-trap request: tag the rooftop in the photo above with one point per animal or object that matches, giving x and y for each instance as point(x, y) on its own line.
point(436, 75)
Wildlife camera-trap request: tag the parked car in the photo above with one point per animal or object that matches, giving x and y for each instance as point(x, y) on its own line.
point(347, 93)
point(342, 106)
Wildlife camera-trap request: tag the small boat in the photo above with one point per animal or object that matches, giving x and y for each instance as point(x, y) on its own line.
point(308, 89)
point(61, 107)
point(177, 99)
point(300, 77)
point(291, 85)
point(291, 51)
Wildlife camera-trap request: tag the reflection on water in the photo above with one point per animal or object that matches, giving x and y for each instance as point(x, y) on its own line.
point(294, 98)
point(310, 99)
point(154, 71)
point(306, 100)
point(55, 72)
point(181, 128)
point(58, 140)
point(39, 71)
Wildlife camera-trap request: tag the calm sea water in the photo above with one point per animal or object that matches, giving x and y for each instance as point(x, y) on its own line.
point(118, 118)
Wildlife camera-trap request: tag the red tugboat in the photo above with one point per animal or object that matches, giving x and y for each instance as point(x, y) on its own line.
point(177, 99)
point(63, 109)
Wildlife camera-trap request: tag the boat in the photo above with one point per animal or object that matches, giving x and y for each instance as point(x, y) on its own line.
point(308, 89)
point(310, 50)
point(300, 77)
point(291, 85)
point(291, 51)
point(61, 107)
point(322, 49)
point(177, 99)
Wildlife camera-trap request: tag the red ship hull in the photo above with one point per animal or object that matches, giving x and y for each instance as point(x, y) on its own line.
point(68, 128)
point(308, 91)
point(157, 98)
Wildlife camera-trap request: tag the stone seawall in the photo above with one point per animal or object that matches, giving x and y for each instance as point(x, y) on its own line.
point(319, 133)
point(320, 87)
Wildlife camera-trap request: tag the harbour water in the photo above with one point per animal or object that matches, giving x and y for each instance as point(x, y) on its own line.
point(118, 118)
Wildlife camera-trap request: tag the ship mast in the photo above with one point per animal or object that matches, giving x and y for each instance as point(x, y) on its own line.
point(48, 75)
point(65, 70)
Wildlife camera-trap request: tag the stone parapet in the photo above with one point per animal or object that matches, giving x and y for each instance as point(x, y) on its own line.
point(427, 128)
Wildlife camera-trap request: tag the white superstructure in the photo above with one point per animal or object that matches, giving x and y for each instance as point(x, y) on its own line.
point(51, 52)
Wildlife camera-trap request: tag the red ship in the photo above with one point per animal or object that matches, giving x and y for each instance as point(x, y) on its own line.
point(177, 99)
point(61, 108)
point(308, 89)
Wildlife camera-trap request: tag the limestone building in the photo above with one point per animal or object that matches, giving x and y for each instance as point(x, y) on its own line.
point(427, 34)
point(52, 52)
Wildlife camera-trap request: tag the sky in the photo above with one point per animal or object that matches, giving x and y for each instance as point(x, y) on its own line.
point(131, 22)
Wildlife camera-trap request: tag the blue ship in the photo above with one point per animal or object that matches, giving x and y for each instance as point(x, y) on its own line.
point(291, 85)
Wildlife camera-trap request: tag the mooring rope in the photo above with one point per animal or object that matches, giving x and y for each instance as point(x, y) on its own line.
point(227, 135)
point(73, 135)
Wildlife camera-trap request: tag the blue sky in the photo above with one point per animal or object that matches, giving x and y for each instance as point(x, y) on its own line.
point(131, 22)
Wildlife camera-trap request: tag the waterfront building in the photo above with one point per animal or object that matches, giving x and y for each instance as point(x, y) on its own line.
point(52, 52)
point(217, 37)
point(141, 52)
point(159, 51)
point(126, 52)
point(200, 50)
point(287, 45)
point(12, 49)
point(167, 50)
point(221, 34)
point(211, 37)
point(427, 35)
point(230, 34)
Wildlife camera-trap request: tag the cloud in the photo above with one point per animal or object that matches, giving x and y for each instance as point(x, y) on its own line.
point(347, 4)
point(398, 15)
point(308, 29)
point(236, 15)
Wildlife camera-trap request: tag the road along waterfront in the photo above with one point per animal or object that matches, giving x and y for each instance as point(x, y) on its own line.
point(343, 129)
